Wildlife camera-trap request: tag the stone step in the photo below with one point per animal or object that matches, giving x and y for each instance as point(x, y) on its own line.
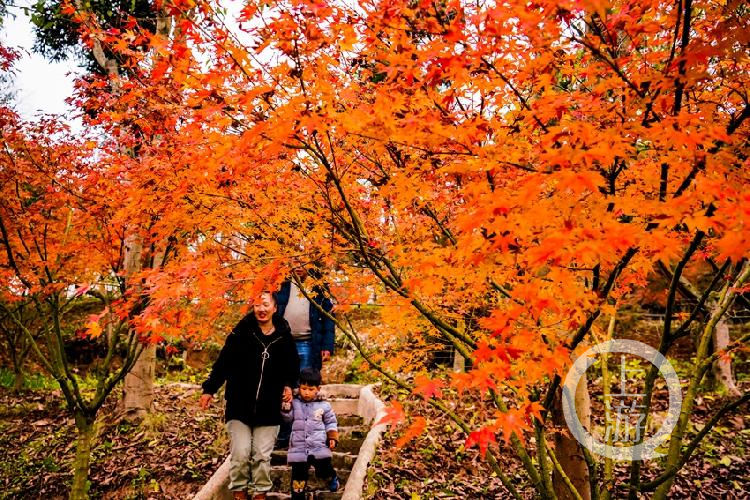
point(340, 460)
point(356, 431)
point(349, 420)
point(340, 391)
point(353, 431)
point(281, 475)
point(352, 414)
point(349, 436)
point(350, 444)
point(344, 406)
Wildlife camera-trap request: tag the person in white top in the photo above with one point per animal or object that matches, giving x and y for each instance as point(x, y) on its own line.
point(312, 330)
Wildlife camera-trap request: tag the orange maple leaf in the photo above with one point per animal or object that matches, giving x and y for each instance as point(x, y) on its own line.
point(94, 329)
point(513, 422)
point(427, 388)
point(483, 437)
point(394, 414)
point(416, 428)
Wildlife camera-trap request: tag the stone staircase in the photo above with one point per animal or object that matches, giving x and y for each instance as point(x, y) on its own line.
point(355, 415)
point(352, 433)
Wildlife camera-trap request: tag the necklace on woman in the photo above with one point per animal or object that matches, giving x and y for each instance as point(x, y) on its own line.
point(267, 332)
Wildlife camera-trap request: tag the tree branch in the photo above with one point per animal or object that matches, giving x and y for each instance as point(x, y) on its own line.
point(671, 471)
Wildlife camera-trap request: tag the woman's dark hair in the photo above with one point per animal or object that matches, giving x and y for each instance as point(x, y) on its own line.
point(274, 296)
point(310, 376)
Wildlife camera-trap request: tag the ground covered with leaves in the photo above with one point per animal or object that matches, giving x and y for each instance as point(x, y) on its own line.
point(437, 464)
point(170, 456)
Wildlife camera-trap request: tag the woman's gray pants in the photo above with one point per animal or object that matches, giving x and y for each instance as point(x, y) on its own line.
point(251, 449)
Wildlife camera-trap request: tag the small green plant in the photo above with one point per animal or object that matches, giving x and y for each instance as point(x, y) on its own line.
point(50, 465)
point(124, 427)
point(33, 382)
point(219, 445)
point(140, 480)
point(192, 471)
point(154, 422)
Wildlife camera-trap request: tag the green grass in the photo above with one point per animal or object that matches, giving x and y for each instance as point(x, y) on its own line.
point(187, 374)
point(43, 382)
point(33, 381)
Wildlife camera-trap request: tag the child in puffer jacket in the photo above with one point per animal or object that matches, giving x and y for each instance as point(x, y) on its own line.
point(314, 435)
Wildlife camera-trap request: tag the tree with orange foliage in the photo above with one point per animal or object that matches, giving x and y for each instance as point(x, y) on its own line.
point(505, 173)
point(57, 38)
point(58, 243)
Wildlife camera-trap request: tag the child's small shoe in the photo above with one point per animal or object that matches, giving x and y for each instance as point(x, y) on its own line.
point(298, 490)
point(333, 484)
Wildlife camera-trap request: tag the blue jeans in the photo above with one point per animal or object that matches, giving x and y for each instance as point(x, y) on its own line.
point(304, 349)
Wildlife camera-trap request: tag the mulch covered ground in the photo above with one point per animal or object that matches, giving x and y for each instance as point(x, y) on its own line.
point(169, 456)
point(437, 465)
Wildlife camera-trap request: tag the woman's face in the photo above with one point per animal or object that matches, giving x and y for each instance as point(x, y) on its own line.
point(264, 307)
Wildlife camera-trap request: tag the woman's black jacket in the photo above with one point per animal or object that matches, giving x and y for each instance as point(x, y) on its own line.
point(254, 384)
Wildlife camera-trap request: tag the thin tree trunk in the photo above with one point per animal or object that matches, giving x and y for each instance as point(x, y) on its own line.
point(18, 378)
point(459, 361)
point(138, 392)
point(609, 466)
point(138, 389)
point(86, 434)
point(18, 349)
point(138, 385)
point(568, 450)
point(721, 373)
point(722, 367)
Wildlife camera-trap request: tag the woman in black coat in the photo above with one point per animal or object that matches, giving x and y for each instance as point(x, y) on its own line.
point(260, 365)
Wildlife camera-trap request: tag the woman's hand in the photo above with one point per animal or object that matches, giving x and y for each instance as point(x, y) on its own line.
point(205, 401)
point(287, 394)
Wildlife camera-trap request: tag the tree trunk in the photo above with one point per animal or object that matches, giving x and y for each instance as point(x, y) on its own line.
point(720, 376)
point(86, 434)
point(139, 382)
point(722, 367)
point(138, 388)
point(18, 349)
point(18, 379)
point(567, 449)
point(608, 479)
point(459, 362)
